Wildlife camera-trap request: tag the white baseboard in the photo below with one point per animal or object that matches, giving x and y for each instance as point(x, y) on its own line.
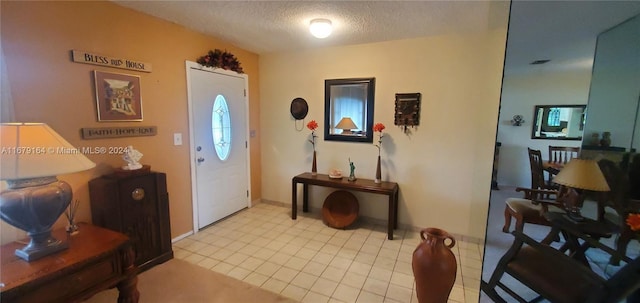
point(180, 237)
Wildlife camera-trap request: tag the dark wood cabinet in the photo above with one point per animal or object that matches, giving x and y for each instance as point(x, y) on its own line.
point(138, 206)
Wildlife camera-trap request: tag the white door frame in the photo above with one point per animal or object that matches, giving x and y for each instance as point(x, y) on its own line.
point(192, 156)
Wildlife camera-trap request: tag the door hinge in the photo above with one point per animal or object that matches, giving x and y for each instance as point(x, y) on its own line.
point(245, 92)
point(246, 144)
point(247, 193)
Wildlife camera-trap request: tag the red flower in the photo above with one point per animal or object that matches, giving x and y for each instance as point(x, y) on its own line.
point(379, 127)
point(312, 125)
point(633, 220)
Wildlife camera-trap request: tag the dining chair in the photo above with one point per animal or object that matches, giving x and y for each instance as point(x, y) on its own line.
point(531, 208)
point(537, 171)
point(561, 155)
point(537, 200)
point(558, 277)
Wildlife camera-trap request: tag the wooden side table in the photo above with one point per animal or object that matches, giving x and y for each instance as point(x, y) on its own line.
point(97, 259)
point(389, 189)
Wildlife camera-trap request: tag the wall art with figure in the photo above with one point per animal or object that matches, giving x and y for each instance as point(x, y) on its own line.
point(118, 97)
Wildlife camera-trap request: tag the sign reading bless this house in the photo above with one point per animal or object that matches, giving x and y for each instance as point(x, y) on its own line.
point(96, 59)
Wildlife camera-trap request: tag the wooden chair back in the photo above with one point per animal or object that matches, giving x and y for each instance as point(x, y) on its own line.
point(618, 182)
point(562, 154)
point(537, 171)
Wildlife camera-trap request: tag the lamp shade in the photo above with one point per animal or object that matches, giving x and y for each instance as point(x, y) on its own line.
point(582, 174)
point(346, 123)
point(32, 150)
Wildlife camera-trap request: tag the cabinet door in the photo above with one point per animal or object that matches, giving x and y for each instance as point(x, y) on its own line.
point(139, 207)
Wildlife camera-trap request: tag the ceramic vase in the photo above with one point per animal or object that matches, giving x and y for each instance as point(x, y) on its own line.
point(378, 172)
point(595, 139)
point(314, 168)
point(606, 139)
point(434, 266)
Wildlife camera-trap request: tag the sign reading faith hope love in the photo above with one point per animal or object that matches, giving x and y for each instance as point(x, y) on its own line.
point(96, 59)
point(116, 132)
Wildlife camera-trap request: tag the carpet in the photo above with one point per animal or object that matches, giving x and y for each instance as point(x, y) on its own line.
point(180, 281)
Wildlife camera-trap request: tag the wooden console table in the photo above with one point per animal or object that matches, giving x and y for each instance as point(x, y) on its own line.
point(97, 259)
point(364, 185)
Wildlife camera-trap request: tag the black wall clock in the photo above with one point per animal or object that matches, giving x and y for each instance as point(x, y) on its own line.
point(407, 110)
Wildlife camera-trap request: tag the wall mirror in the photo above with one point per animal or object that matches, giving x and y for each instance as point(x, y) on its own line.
point(558, 122)
point(348, 109)
point(614, 95)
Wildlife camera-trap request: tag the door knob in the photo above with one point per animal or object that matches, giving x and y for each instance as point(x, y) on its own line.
point(200, 160)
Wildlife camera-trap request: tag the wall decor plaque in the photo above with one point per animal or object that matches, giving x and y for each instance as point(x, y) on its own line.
point(116, 132)
point(97, 59)
point(407, 110)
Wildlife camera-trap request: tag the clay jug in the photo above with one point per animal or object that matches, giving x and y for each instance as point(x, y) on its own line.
point(434, 266)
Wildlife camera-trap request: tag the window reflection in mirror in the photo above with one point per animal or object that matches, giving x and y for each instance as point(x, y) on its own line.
point(558, 122)
point(349, 109)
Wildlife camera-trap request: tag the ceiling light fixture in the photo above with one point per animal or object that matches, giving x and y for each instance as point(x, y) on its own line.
point(320, 28)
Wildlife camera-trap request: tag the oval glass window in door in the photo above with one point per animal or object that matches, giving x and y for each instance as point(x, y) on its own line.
point(221, 127)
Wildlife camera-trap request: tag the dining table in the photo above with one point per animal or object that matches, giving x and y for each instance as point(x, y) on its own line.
point(552, 167)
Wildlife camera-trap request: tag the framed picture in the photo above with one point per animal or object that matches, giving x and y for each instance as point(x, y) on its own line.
point(117, 97)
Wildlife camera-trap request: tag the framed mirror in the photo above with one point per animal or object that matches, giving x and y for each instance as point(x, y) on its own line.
point(558, 122)
point(348, 109)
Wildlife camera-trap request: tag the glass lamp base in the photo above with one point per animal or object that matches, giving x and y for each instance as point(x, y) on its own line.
point(34, 205)
point(35, 251)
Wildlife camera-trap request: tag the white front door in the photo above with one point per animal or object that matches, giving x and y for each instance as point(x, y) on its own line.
point(219, 124)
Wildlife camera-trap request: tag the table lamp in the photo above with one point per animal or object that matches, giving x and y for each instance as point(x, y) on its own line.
point(32, 155)
point(346, 125)
point(581, 174)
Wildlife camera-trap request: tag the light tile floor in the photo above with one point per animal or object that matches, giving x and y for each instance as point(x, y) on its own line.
point(307, 261)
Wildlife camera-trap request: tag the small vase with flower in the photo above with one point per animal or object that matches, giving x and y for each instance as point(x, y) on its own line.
point(378, 127)
point(312, 125)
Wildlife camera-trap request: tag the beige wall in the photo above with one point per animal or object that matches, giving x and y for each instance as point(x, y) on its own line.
point(443, 166)
point(47, 86)
point(520, 94)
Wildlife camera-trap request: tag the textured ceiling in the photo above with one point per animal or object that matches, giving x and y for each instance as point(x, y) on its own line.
point(563, 31)
point(277, 26)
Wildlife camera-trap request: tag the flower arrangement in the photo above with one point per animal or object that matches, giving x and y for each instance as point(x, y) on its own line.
point(221, 59)
point(633, 220)
point(379, 127)
point(312, 125)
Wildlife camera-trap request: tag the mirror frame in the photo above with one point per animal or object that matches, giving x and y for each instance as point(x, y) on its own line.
point(371, 84)
point(535, 121)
